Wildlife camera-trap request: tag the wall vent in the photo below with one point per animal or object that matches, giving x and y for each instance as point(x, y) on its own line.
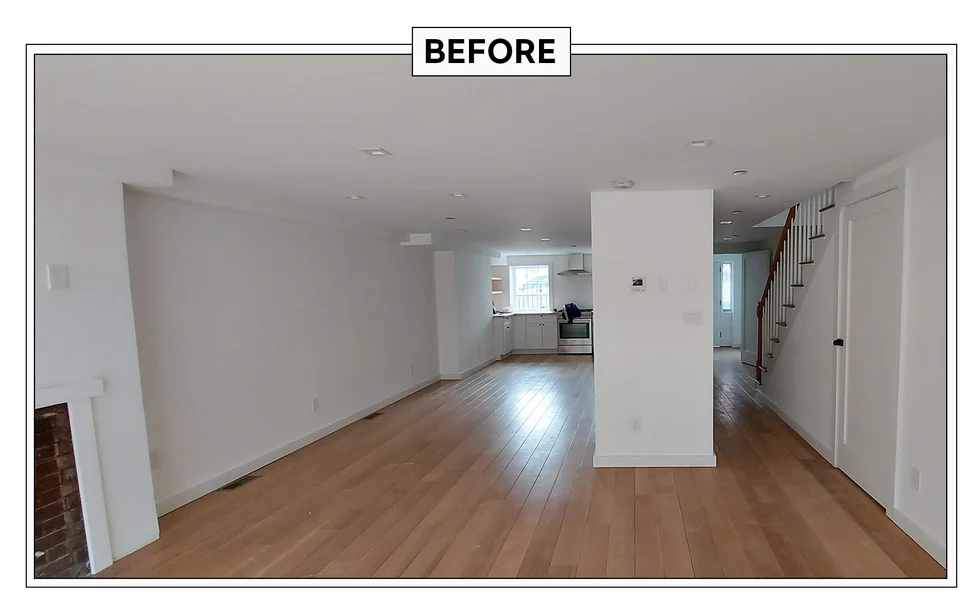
point(245, 479)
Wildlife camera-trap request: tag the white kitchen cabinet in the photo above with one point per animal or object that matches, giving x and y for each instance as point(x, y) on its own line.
point(520, 332)
point(503, 336)
point(508, 335)
point(549, 334)
point(536, 332)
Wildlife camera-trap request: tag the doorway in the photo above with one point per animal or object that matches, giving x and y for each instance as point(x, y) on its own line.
point(755, 272)
point(728, 300)
point(871, 239)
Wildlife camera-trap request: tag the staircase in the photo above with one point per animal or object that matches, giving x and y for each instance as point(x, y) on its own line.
point(800, 247)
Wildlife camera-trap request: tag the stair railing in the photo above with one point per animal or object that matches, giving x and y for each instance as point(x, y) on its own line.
point(804, 223)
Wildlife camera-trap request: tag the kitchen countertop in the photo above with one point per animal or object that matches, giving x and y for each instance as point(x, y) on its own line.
point(525, 313)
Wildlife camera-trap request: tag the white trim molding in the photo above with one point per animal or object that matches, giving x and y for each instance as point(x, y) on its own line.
point(184, 497)
point(78, 396)
point(919, 535)
point(823, 450)
point(656, 460)
point(468, 372)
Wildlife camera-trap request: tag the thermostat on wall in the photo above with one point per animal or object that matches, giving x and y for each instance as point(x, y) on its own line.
point(639, 284)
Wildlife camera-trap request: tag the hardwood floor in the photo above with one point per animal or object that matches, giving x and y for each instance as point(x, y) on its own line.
point(492, 477)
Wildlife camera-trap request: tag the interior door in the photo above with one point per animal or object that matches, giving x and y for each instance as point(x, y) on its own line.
point(755, 271)
point(871, 299)
point(723, 276)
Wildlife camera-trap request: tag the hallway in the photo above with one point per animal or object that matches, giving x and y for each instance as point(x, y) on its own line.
point(492, 476)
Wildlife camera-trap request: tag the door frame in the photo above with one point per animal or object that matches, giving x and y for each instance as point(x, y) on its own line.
point(894, 181)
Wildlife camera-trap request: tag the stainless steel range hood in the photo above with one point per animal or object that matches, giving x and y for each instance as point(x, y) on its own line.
point(576, 265)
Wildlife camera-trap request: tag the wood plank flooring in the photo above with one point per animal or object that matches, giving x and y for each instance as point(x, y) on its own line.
point(492, 477)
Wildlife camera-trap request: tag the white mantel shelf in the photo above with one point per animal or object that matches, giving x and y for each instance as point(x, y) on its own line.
point(78, 396)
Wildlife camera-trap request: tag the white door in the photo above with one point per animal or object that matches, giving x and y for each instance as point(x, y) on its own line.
point(723, 302)
point(549, 334)
point(871, 300)
point(755, 271)
point(534, 336)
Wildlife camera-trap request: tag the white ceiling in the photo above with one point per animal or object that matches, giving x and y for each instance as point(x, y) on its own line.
point(283, 132)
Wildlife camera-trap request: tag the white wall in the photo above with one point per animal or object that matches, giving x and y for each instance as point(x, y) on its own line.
point(648, 363)
point(922, 400)
point(447, 311)
point(802, 384)
point(564, 288)
point(87, 331)
point(474, 310)
point(242, 320)
point(501, 301)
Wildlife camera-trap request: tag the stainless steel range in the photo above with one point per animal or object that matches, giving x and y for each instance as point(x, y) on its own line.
point(575, 336)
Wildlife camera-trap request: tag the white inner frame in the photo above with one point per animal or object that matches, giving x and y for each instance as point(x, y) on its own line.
point(78, 397)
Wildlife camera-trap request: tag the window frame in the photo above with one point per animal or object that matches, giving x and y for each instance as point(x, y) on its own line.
point(549, 295)
point(731, 285)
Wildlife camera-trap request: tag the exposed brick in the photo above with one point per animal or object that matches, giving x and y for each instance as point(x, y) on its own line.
point(52, 554)
point(44, 453)
point(47, 543)
point(46, 498)
point(46, 483)
point(46, 468)
point(68, 488)
point(59, 528)
point(54, 569)
point(72, 502)
point(49, 511)
point(50, 525)
point(42, 440)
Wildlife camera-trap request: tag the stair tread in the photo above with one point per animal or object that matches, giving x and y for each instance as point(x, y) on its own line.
point(774, 339)
point(796, 285)
point(819, 236)
point(828, 207)
point(791, 306)
point(770, 355)
point(780, 323)
point(807, 262)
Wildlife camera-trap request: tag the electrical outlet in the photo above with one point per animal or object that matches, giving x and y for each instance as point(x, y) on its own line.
point(155, 459)
point(314, 404)
point(635, 424)
point(411, 368)
point(915, 476)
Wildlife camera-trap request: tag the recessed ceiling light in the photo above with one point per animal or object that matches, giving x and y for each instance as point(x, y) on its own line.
point(458, 194)
point(355, 197)
point(727, 239)
point(545, 239)
point(737, 212)
point(450, 218)
point(622, 185)
point(740, 173)
point(763, 195)
point(575, 246)
point(374, 151)
point(701, 143)
point(726, 222)
point(734, 235)
point(526, 229)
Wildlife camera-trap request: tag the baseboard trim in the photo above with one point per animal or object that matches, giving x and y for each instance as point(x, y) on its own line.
point(554, 351)
point(468, 372)
point(657, 460)
point(184, 497)
point(807, 436)
point(919, 535)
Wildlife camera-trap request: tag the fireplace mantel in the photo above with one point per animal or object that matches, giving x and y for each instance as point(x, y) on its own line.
point(78, 396)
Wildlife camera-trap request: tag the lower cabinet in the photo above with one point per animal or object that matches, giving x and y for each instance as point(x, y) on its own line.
point(536, 332)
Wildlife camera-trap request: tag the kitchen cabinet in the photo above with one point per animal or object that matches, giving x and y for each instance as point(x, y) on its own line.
point(536, 332)
point(503, 336)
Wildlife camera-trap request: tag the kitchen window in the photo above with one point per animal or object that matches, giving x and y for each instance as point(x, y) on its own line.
point(530, 288)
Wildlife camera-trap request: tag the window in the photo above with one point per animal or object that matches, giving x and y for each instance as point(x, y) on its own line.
point(530, 288)
point(726, 286)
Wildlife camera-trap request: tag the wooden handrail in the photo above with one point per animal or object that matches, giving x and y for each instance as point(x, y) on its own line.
point(760, 308)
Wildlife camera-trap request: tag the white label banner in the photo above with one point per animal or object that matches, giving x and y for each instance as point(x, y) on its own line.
point(492, 52)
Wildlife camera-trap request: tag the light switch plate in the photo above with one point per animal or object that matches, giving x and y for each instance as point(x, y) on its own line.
point(693, 318)
point(57, 276)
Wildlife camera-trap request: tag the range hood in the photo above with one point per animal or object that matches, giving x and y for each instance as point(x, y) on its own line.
point(576, 265)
